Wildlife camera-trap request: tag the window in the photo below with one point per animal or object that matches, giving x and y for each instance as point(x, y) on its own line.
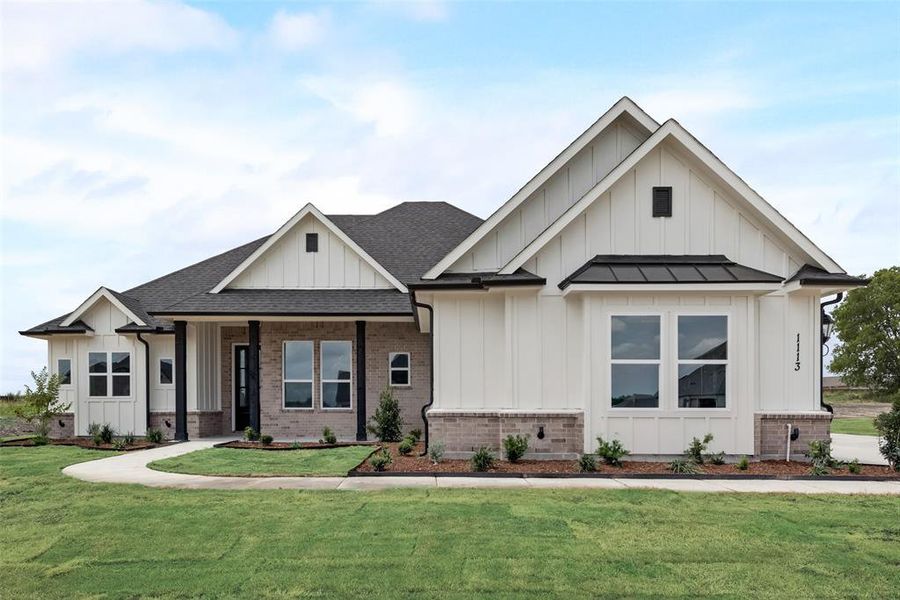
point(64, 370)
point(165, 371)
point(662, 201)
point(702, 361)
point(398, 363)
point(336, 375)
point(635, 354)
point(297, 369)
point(312, 242)
point(109, 372)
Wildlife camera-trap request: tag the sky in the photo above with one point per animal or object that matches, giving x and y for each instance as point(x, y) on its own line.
point(140, 137)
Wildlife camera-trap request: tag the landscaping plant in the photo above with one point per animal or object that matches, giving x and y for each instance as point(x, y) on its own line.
point(107, 433)
point(94, 432)
point(386, 423)
point(406, 446)
point(119, 444)
point(819, 454)
point(250, 434)
point(154, 436)
point(515, 446)
point(483, 459)
point(436, 452)
point(380, 460)
point(888, 426)
point(743, 464)
point(128, 438)
point(587, 463)
point(416, 434)
point(716, 458)
point(611, 452)
point(265, 439)
point(296, 445)
point(854, 467)
point(695, 451)
point(42, 404)
point(684, 466)
point(328, 436)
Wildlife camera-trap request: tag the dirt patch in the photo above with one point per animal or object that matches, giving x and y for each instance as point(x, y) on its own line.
point(242, 444)
point(13, 426)
point(860, 409)
point(85, 443)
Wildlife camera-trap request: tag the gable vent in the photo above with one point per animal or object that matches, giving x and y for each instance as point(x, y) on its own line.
point(662, 201)
point(312, 242)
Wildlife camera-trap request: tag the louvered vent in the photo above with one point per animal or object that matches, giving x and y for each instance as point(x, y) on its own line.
point(662, 201)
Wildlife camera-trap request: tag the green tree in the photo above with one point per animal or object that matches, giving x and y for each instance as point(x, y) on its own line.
point(42, 403)
point(868, 324)
point(387, 424)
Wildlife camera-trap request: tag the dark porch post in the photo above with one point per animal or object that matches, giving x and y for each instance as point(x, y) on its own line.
point(181, 433)
point(360, 381)
point(253, 374)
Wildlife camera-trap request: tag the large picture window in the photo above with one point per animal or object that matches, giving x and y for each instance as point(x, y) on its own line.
point(635, 354)
point(336, 375)
point(109, 374)
point(702, 361)
point(298, 375)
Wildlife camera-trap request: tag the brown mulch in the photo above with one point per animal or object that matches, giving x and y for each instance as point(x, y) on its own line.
point(243, 444)
point(84, 443)
point(413, 463)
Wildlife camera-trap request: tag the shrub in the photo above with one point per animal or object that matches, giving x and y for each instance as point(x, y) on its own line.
point(436, 452)
point(888, 426)
point(697, 448)
point(265, 439)
point(250, 434)
point(743, 464)
point(416, 434)
point(119, 444)
point(483, 459)
point(587, 463)
point(515, 446)
point(107, 433)
point(328, 436)
point(684, 466)
point(296, 445)
point(716, 458)
point(128, 438)
point(40, 440)
point(386, 423)
point(854, 467)
point(380, 460)
point(94, 432)
point(611, 452)
point(42, 404)
point(406, 446)
point(819, 454)
point(154, 436)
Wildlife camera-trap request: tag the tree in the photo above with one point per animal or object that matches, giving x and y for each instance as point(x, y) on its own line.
point(387, 424)
point(42, 403)
point(868, 324)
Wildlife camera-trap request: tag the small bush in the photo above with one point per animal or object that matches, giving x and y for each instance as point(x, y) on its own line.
point(611, 452)
point(387, 424)
point(250, 434)
point(128, 438)
point(119, 444)
point(154, 436)
point(436, 452)
point(888, 426)
point(716, 458)
point(854, 467)
point(587, 463)
point(107, 433)
point(697, 448)
point(483, 459)
point(265, 439)
point(743, 464)
point(40, 440)
point(819, 454)
point(296, 445)
point(328, 436)
point(416, 434)
point(515, 447)
point(380, 460)
point(684, 466)
point(94, 432)
point(406, 446)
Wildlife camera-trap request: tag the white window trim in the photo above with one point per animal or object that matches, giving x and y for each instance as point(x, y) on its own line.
point(323, 381)
point(407, 368)
point(677, 361)
point(159, 371)
point(109, 374)
point(71, 371)
point(311, 381)
point(660, 402)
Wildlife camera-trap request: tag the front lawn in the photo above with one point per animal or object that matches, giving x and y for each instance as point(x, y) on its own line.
point(262, 463)
point(64, 538)
point(847, 396)
point(854, 425)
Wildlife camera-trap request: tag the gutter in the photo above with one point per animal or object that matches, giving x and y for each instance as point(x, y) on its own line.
point(430, 309)
point(146, 377)
point(825, 405)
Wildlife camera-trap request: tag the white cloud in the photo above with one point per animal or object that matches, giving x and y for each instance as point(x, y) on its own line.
point(394, 108)
point(416, 10)
point(295, 31)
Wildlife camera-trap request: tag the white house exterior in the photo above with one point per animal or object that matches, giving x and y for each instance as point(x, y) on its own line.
point(635, 288)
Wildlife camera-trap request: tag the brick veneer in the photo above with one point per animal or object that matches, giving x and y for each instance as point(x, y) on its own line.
point(199, 423)
point(67, 430)
point(770, 433)
point(463, 431)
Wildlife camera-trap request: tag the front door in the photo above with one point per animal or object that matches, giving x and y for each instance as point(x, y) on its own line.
point(241, 403)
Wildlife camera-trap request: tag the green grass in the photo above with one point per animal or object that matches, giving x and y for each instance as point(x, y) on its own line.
point(261, 463)
point(8, 409)
point(856, 397)
point(64, 538)
point(854, 425)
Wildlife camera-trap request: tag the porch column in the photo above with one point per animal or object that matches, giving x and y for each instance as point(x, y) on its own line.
point(181, 433)
point(360, 381)
point(253, 374)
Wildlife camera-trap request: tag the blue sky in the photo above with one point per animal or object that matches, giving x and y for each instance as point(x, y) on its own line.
point(140, 137)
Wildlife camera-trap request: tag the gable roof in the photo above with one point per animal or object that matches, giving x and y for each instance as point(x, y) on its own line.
point(624, 106)
point(672, 130)
point(129, 307)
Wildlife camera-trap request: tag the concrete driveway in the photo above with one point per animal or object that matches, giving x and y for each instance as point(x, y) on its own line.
point(863, 448)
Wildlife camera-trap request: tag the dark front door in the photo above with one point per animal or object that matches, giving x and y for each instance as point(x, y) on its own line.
point(241, 402)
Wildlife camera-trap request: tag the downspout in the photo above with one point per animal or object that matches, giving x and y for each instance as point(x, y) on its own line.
point(146, 377)
point(822, 306)
point(425, 408)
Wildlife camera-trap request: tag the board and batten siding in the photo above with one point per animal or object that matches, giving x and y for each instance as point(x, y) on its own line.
point(287, 264)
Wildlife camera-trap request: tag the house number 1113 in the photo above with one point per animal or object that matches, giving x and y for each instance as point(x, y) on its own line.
point(797, 362)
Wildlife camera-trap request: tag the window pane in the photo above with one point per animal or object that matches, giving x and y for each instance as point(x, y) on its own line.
point(298, 395)
point(64, 368)
point(635, 386)
point(635, 337)
point(703, 337)
point(97, 362)
point(701, 386)
point(97, 385)
point(400, 377)
point(298, 360)
point(336, 395)
point(242, 397)
point(121, 362)
point(400, 361)
point(165, 371)
point(121, 385)
point(336, 360)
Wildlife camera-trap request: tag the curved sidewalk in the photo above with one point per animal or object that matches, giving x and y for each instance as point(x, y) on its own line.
point(132, 468)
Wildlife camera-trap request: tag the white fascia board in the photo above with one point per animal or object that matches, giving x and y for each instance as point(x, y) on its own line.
point(625, 105)
point(633, 288)
point(100, 293)
point(673, 129)
point(309, 209)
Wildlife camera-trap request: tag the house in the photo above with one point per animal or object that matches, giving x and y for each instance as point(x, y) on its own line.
point(635, 288)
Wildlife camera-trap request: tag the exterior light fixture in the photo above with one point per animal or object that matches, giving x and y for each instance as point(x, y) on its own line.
point(827, 327)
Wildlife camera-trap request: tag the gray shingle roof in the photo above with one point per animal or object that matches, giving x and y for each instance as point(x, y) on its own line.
point(296, 302)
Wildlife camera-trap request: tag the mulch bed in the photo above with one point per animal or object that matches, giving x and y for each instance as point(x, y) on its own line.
point(413, 463)
point(245, 445)
point(85, 443)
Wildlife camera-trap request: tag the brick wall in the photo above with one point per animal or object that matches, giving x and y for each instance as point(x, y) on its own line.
point(462, 432)
point(770, 433)
point(199, 423)
point(66, 430)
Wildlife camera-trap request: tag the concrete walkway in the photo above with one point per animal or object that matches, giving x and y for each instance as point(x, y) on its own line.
point(863, 448)
point(132, 468)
